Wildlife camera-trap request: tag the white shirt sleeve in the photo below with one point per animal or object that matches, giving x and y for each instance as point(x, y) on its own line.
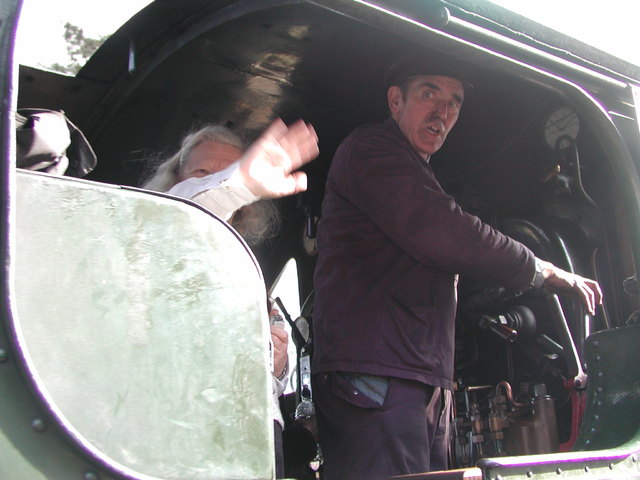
point(222, 192)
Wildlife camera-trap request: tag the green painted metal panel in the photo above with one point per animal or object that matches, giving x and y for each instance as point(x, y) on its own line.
point(140, 323)
point(612, 417)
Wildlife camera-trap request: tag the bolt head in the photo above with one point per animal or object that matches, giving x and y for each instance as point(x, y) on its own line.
point(38, 425)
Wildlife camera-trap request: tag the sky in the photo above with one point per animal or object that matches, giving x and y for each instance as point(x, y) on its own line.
point(40, 39)
point(613, 26)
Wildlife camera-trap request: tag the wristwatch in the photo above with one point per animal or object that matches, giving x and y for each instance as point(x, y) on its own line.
point(538, 278)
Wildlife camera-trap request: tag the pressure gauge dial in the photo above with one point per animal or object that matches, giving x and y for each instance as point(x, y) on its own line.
point(561, 127)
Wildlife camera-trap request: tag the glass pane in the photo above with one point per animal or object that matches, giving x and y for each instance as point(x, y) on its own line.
point(142, 322)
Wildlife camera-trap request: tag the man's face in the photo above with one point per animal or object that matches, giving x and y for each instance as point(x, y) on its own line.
point(428, 110)
point(208, 157)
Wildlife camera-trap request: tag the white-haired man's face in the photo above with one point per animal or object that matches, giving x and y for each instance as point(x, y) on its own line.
point(208, 157)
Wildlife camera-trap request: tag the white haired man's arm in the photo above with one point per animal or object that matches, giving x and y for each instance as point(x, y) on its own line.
point(222, 192)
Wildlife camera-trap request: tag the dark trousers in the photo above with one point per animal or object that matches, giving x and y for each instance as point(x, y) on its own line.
point(361, 439)
point(277, 442)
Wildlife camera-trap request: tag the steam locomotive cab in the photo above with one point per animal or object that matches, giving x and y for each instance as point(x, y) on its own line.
point(546, 150)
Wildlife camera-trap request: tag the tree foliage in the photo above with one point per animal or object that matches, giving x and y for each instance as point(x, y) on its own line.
point(79, 49)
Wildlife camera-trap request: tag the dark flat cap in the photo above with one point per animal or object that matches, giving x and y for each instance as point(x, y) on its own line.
point(420, 63)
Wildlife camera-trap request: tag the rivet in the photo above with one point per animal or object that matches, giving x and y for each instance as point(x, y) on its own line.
point(593, 429)
point(498, 477)
point(634, 459)
point(596, 417)
point(90, 476)
point(586, 468)
point(599, 389)
point(599, 403)
point(559, 471)
point(600, 374)
point(4, 355)
point(595, 343)
point(529, 474)
point(587, 442)
point(611, 466)
point(38, 424)
point(598, 357)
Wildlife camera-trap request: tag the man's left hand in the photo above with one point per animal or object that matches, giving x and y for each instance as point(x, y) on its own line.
point(269, 166)
point(558, 280)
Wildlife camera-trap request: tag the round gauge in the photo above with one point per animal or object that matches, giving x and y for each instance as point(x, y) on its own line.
point(561, 125)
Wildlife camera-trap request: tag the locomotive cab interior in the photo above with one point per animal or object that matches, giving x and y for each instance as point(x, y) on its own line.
point(538, 152)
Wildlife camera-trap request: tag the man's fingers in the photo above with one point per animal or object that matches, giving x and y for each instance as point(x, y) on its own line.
point(298, 182)
point(301, 143)
point(290, 147)
point(301, 130)
point(590, 292)
point(597, 292)
point(275, 131)
point(268, 168)
point(587, 298)
point(279, 333)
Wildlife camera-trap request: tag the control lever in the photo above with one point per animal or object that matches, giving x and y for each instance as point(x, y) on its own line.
point(505, 332)
point(574, 365)
point(305, 408)
point(519, 321)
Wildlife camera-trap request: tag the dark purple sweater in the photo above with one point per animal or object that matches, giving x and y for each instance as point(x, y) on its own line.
point(390, 243)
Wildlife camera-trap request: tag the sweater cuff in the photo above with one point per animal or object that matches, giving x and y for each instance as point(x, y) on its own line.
point(222, 192)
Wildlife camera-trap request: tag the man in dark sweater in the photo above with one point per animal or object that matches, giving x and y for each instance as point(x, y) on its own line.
point(391, 245)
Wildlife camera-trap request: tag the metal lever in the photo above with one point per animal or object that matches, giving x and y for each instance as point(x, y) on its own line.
point(518, 321)
point(574, 365)
point(503, 331)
